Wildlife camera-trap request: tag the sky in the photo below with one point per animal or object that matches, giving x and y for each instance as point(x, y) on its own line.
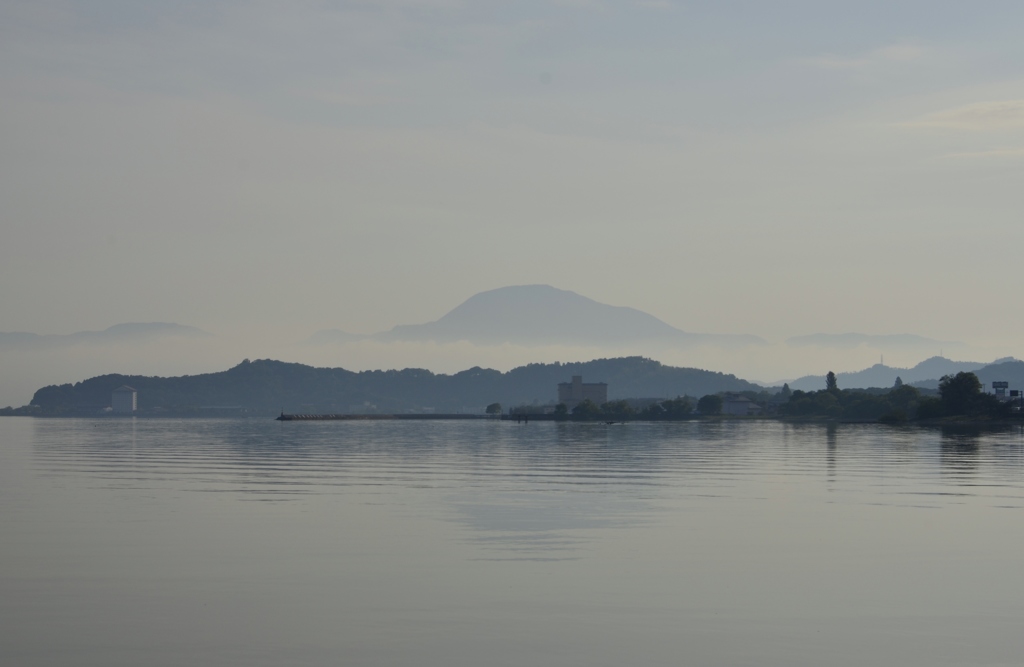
point(264, 170)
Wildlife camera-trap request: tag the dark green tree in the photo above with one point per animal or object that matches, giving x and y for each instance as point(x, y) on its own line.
point(902, 402)
point(586, 409)
point(929, 407)
point(710, 404)
point(654, 411)
point(830, 382)
point(494, 409)
point(961, 395)
point(561, 412)
point(898, 383)
point(619, 409)
point(677, 407)
point(786, 391)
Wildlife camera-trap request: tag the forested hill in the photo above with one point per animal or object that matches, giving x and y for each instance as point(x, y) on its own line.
point(276, 385)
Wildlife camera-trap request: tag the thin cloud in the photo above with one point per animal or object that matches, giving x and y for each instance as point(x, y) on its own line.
point(349, 98)
point(1004, 115)
point(994, 153)
point(655, 4)
point(896, 53)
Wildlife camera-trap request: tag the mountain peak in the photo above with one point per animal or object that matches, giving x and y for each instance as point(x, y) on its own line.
point(853, 340)
point(546, 315)
point(127, 332)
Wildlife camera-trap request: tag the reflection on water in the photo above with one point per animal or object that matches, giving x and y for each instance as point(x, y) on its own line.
point(832, 444)
point(443, 543)
point(545, 483)
point(961, 448)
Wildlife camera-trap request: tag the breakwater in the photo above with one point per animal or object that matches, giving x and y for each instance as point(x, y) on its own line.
point(347, 417)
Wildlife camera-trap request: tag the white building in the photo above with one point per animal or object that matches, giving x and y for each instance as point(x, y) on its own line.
point(124, 400)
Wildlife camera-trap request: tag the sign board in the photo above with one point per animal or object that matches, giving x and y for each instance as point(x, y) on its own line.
point(1000, 385)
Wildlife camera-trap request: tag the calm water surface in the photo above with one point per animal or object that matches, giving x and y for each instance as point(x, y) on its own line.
point(174, 542)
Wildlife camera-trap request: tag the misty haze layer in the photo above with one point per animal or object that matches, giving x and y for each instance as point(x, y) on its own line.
point(499, 329)
point(265, 171)
point(542, 315)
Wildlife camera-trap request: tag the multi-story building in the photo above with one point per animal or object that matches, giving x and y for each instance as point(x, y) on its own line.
point(124, 400)
point(575, 392)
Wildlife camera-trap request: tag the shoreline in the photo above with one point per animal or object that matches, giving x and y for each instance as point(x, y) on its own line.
point(524, 419)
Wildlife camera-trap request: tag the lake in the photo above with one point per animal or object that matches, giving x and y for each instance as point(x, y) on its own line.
point(207, 542)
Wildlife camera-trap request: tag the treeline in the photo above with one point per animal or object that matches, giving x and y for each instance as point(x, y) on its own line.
point(681, 407)
point(674, 408)
point(274, 385)
point(959, 397)
point(23, 411)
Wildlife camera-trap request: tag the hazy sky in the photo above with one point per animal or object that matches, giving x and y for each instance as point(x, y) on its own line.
point(275, 168)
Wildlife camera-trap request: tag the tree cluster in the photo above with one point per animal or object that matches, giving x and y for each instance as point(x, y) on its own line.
point(273, 385)
point(710, 404)
point(674, 408)
point(896, 405)
point(960, 396)
point(587, 410)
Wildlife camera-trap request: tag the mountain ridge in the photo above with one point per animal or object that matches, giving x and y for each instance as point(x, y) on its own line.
point(852, 340)
point(880, 375)
point(269, 385)
point(535, 315)
point(120, 333)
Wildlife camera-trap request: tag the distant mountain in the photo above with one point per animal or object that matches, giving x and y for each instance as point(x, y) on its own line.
point(1002, 370)
point(880, 375)
point(851, 340)
point(271, 385)
point(131, 332)
point(328, 336)
point(543, 315)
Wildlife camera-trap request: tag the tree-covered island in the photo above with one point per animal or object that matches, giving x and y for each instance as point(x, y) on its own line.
point(263, 388)
point(959, 398)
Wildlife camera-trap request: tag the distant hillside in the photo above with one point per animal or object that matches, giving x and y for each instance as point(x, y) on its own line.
point(542, 315)
point(884, 376)
point(851, 340)
point(273, 385)
point(1002, 370)
point(327, 336)
point(131, 332)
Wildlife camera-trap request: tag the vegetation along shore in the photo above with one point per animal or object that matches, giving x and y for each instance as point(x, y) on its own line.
point(267, 388)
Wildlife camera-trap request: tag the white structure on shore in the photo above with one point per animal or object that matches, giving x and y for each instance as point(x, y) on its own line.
point(124, 400)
